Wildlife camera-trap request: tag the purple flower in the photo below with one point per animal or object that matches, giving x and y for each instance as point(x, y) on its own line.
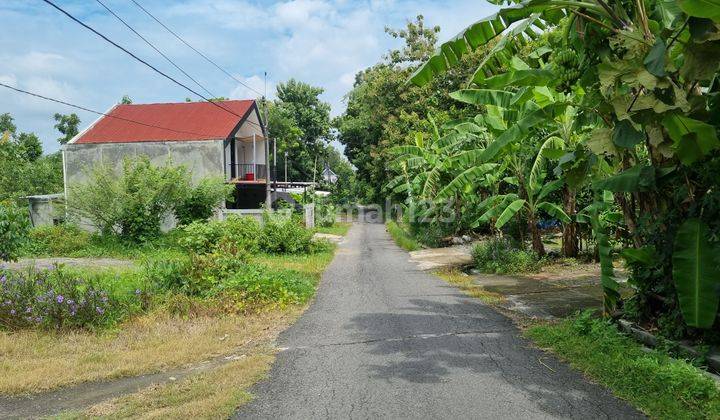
point(99, 310)
point(3, 279)
point(38, 319)
point(12, 312)
point(60, 298)
point(28, 310)
point(70, 302)
point(7, 302)
point(138, 291)
point(104, 299)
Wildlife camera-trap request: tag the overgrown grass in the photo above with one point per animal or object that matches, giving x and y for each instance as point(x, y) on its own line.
point(338, 228)
point(178, 330)
point(71, 241)
point(401, 237)
point(661, 386)
point(465, 283)
point(499, 256)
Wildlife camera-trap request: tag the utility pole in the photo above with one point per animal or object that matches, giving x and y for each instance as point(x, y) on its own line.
point(268, 189)
point(286, 168)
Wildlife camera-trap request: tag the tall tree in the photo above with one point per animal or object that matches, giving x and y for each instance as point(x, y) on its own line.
point(29, 146)
point(67, 125)
point(300, 121)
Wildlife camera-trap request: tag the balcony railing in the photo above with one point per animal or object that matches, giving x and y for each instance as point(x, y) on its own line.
point(249, 171)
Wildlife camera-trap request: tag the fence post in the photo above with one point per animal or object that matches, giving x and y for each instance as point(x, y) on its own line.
point(310, 215)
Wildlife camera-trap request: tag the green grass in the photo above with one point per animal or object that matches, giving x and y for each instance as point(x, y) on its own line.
point(70, 241)
point(402, 238)
point(659, 385)
point(339, 228)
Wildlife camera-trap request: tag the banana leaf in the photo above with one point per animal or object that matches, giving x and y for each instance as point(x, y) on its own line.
point(696, 274)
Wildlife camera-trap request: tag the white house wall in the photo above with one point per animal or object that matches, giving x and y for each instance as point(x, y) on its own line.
point(201, 158)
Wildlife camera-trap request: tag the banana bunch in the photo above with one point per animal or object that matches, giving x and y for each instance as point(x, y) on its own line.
point(566, 62)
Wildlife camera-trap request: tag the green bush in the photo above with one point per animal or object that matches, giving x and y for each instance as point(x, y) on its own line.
point(60, 299)
point(256, 284)
point(63, 239)
point(243, 231)
point(284, 235)
point(499, 256)
point(325, 213)
point(133, 203)
point(201, 237)
point(14, 226)
point(402, 238)
point(201, 202)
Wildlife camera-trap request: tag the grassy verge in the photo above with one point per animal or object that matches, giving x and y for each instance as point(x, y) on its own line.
point(465, 283)
point(165, 338)
point(659, 385)
point(214, 394)
point(339, 228)
point(402, 238)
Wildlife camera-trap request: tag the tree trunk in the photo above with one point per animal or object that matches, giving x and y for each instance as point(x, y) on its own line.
point(537, 244)
point(569, 238)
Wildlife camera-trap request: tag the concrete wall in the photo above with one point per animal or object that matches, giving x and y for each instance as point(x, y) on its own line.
point(202, 158)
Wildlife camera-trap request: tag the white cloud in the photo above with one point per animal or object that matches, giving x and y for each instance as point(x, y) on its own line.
point(254, 84)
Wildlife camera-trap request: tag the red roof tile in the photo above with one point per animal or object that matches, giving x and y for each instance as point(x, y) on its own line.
point(186, 121)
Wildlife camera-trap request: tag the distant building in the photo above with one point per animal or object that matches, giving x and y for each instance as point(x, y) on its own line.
point(209, 141)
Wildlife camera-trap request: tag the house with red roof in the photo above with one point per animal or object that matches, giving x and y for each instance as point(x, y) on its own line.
point(223, 139)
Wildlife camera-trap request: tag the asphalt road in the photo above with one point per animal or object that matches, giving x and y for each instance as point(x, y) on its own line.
point(385, 340)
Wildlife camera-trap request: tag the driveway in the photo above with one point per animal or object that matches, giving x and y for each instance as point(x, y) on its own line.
point(386, 340)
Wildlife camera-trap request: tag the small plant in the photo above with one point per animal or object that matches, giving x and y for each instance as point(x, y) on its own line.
point(202, 201)
point(256, 284)
point(63, 239)
point(284, 235)
point(201, 237)
point(243, 231)
point(499, 256)
point(56, 299)
point(402, 238)
point(14, 226)
point(325, 213)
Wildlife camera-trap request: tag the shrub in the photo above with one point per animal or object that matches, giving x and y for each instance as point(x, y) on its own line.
point(325, 213)
point(199, 273)
point(57, 299)
point(243, 231)
point(284, 235)
point(14, 226)
point(203, 200)
point(135, 202)
point(256, 284)
point(62, 239)
point(402, 238)
point(201, 237)
point(498, 256)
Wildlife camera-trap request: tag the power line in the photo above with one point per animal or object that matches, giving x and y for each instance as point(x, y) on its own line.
point(155, 48)
point(97, 112)
point(113, 43)
point(194, 49)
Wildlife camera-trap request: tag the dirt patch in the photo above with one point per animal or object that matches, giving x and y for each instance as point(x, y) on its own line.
point(442, 258)
point(48, 263)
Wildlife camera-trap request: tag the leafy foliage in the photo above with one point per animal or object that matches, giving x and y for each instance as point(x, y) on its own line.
point(203, 200)
point(132, 203)
point(14, 225)
point(499, 256)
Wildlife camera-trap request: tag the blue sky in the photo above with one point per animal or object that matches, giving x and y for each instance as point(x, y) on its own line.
point(322, 42)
